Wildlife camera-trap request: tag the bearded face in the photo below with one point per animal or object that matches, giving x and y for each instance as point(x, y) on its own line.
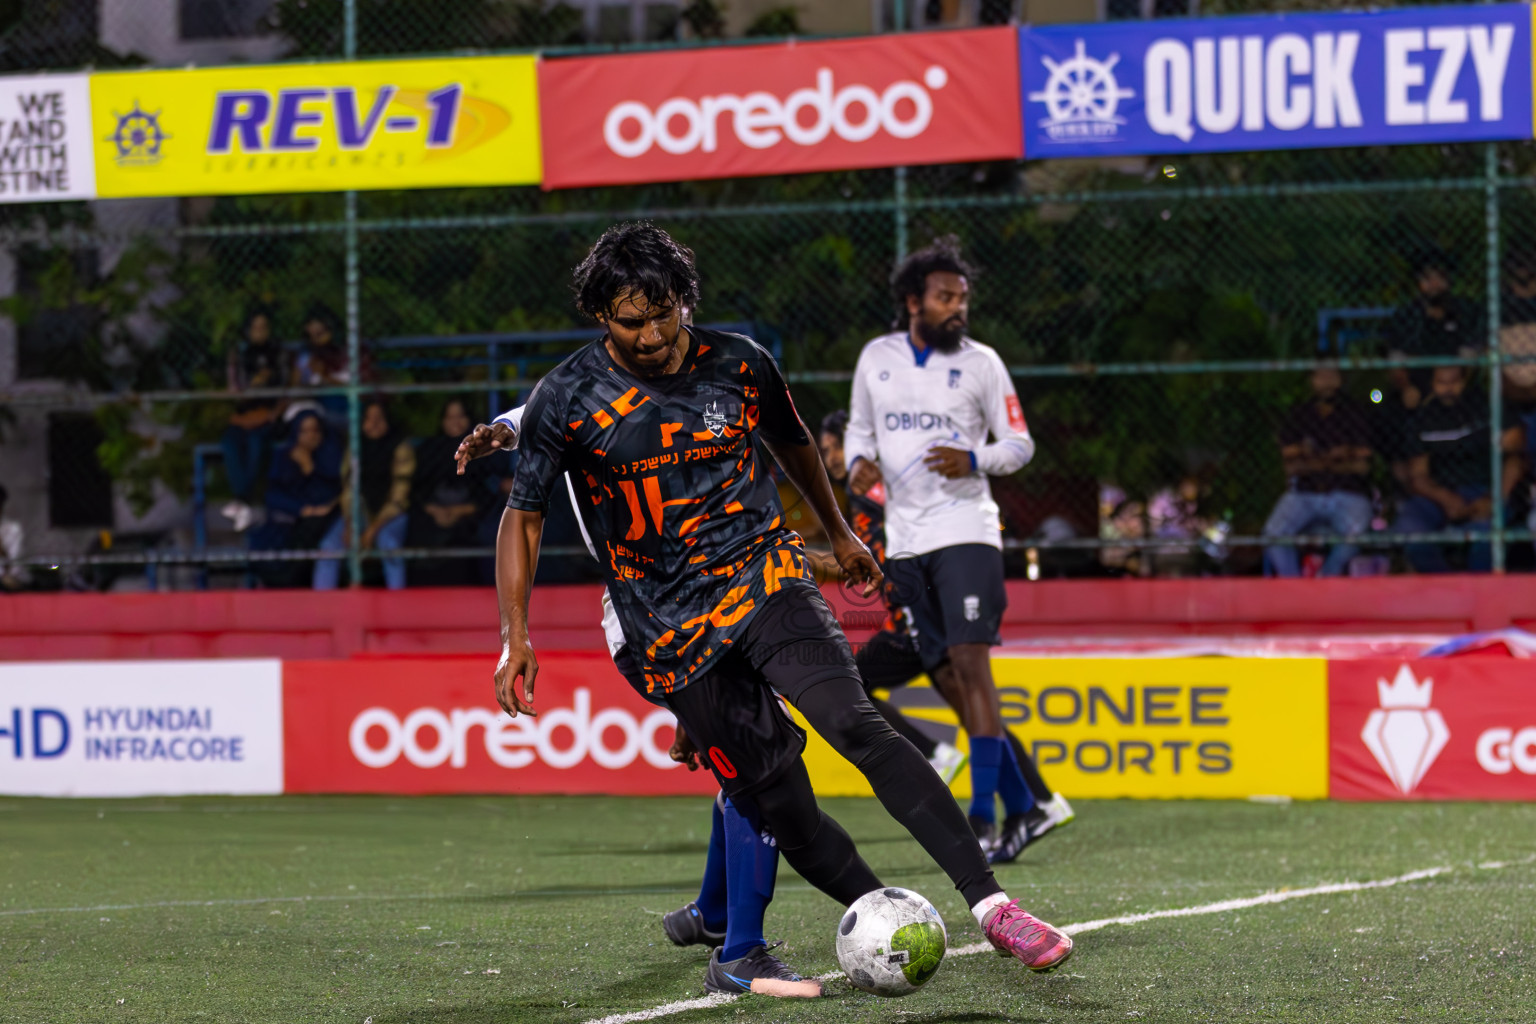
point(945, 335)
point(943, 315)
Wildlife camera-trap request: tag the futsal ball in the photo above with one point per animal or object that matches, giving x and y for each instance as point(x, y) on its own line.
point(890, 942)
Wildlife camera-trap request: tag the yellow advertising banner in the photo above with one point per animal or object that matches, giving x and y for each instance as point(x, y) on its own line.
point(1147, 727)
point(317, 127)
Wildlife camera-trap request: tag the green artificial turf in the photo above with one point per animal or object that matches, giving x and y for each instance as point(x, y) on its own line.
point(350, 908)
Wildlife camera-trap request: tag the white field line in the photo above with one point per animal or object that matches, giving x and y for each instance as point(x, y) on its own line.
point(1220, 907)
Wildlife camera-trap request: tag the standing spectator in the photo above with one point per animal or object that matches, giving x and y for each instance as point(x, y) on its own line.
point(1451, 471)
point(13, 575)
point(1326, 447)
point(303, 489)
point(257, 362)
point(446, 508)
point(1518, 303)
point(1517, 345)
point(1435, 322)
point(388, 461)
point(322, 363)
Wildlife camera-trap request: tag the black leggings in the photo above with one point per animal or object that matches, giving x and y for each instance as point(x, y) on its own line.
point(908, 787)
point(794, 645)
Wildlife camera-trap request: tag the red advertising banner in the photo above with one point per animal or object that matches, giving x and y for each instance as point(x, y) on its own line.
point(914, 98)
point(431, 725)
point(1440, 729)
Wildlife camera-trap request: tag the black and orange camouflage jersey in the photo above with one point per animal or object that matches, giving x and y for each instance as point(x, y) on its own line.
point(866, 514)
point(669, 483)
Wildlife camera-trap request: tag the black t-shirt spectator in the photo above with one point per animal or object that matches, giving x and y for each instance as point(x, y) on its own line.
point(1345, 426)
point(1412, 331)
point(1517, 309)
point(1456, 438)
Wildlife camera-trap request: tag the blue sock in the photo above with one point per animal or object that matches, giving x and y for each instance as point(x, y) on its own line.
point(1017, 799)
point(986, 759)
point(712, 893)
point(751, 867)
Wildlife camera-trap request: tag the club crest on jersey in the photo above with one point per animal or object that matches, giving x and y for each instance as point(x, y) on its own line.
point(714, 418)
point(954, 378)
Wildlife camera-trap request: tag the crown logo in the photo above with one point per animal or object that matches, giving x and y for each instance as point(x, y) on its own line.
point(1405, 691)
point(1405, 734)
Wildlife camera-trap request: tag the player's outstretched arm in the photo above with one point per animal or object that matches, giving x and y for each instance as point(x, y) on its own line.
point(517, 559)
point(498, 435)
point(802, 464)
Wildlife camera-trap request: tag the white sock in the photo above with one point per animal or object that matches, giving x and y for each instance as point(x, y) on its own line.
point(982, 909)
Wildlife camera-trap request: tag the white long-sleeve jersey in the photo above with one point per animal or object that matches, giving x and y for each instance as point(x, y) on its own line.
point(612, 631)
point(905, 404)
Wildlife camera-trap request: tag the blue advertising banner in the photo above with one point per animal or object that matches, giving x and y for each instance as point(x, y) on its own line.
point(1424, 74)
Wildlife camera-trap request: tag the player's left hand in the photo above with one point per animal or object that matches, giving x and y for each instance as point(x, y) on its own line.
point(950, 463)
point(682, 750)
point(858, 565)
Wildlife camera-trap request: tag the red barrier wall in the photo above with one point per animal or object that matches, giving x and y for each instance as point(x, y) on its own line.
point(304, 624)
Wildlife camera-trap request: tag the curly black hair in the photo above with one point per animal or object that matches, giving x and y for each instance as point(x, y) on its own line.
point(835, 423)
point(635, 257)
point(942, 255)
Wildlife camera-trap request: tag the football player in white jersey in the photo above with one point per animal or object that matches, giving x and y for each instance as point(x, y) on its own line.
point(925, 398)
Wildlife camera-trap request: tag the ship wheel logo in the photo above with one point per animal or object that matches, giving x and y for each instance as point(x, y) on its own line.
point(1081, 96)
point(138, 136)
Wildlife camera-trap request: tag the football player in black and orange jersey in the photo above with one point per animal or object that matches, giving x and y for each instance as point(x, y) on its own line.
point(656, 424)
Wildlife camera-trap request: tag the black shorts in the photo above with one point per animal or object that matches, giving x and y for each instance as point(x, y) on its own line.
point(731, 713)
point(953, 596)
point(888, 659)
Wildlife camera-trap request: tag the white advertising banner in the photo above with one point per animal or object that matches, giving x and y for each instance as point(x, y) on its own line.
point(141, 728)
point(46, 150)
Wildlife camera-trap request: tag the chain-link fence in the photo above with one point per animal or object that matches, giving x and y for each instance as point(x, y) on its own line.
point(1165, 320)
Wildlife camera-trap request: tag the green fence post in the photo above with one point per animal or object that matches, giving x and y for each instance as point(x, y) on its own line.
point(354, 350)
point(900, 213)
point(1495, 381)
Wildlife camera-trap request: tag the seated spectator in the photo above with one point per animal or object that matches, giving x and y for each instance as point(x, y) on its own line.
point(1325, 445)
point(303, 490)
point(1451, 471)
point(13, 575)
point(388, 461)
point(1122, 518)
point(257, 362)
point(322, 363)
point(1173, 513)
point(446, 508)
